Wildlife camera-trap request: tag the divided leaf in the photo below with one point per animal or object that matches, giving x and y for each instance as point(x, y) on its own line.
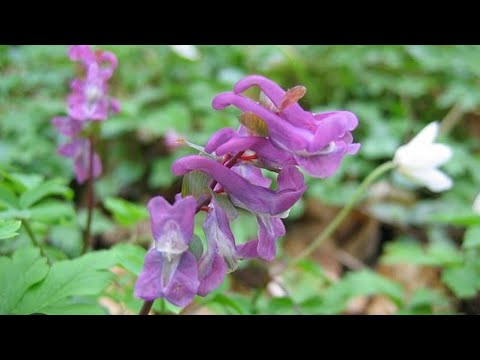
point(17, 274)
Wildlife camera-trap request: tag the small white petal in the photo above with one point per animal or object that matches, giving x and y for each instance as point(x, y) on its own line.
point(427, 135)
point(189, 52)
point(423, 156)
point(435, 180)
point(476, 204)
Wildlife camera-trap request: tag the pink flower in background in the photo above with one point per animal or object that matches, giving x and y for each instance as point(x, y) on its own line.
point(88, 101)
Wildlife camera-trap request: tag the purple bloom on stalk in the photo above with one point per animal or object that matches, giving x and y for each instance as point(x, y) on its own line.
point(87, 101)
point(318, 142)
point(170, 269)
point(220, 257)
point(256, 199)
point(79, 150)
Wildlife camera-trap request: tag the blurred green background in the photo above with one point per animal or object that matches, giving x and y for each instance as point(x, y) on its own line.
point(394, 90)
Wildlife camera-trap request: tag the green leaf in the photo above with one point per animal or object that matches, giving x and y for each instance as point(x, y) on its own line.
point(426, 296)
point(130, 257)
point(24, 182)
point(405, 251)
point(66, 308)
point(18, 274)
point(49, 188)
point(360, 283)
point(124, 212)
point(8, 197)
point(52, 212)
point(463, 281)
point(460, 219)
point(195, 183)
point(444, 254)
point(471, 239)
point(232, 304)
point(281, 306)
point(87, 275)
point(8, 228)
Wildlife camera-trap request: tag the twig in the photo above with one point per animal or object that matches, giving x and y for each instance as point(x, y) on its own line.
point(87, 242)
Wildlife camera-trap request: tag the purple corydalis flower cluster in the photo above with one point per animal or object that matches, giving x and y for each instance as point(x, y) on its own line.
point(277, 135)
point(315, 142)
point(87, 102)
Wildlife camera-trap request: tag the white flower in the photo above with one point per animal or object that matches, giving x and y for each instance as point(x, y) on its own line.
point(189, 52)
point(418, 160)
point(476, 204)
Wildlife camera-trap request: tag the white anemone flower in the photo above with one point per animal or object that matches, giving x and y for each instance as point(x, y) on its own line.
point(189, 52)
point(419, 159)
point(476, 205)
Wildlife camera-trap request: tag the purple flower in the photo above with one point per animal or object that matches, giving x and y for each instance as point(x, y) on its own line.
point(170, 269)
point(220, 256)
point(256, 199)
point(79, 150)
point(89, 98)
point(318, 142)
point(106, 60)
point(67, 126)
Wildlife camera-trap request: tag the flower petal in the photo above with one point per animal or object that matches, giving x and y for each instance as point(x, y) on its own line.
point(435, 180)
point(281, 132)
point(257, 199)
point(213, 270)
point(325, 165)
point(184, 284)
point(181, 287)
point(219, 138)
point(422, 156)
point(269, 230)
point(228, 141)
point(149, 284)
point(67, 126)
point(427, 135)
point(249, 250)
point(253, 174)
point(163, 216)
point(81, 53)
point(331, 127)
point(293, 114)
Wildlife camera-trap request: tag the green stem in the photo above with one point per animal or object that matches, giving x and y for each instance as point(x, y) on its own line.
point(373, 176)
point(35, 243)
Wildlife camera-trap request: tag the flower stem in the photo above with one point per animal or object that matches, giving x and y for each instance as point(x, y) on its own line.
point(146, 307)
point(337, 221)
point(35, 243)
point(87, 241)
